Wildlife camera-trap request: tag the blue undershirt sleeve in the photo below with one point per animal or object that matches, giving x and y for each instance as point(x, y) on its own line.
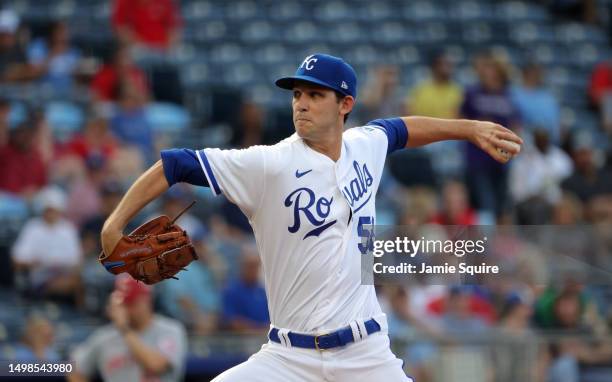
point(396, 130)
point(182, 165)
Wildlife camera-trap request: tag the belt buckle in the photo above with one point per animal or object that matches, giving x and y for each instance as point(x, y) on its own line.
point(316, 341)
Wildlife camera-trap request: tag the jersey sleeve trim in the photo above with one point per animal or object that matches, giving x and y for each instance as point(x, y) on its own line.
point(210, 176)
point(182, 165)
point(396, 131)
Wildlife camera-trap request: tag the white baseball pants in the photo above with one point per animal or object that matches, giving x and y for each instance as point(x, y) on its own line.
point(368, 360)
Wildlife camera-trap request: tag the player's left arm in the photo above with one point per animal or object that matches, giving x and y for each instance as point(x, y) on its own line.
point(488, 136)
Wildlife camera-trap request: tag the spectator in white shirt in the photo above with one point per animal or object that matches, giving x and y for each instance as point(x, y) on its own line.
point(536, 176)
point(48, 250)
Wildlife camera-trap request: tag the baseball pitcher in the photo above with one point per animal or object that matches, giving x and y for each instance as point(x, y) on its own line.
point(309, 199)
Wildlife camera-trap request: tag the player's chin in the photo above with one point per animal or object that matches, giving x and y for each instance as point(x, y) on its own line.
point(302, 127)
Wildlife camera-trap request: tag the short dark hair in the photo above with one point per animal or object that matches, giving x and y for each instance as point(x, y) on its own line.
point(340, 97)
point(435, 56)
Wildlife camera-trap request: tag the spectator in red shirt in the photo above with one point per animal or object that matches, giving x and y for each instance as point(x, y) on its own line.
point(107, 82)
point(473, 305)
point(152, 23)
point(21, 165)
point(96, 139)
point(455, 209)
point(601, 83)
point(600, 93)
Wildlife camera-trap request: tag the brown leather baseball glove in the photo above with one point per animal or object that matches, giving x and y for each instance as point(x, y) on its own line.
point(155, 251)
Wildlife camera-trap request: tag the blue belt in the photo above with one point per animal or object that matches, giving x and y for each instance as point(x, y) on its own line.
point(340, 337)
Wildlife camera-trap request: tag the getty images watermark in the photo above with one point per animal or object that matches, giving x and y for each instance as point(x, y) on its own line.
point(410, 247)
point(436, 254)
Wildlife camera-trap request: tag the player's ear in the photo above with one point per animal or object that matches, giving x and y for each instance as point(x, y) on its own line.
point(346, 105)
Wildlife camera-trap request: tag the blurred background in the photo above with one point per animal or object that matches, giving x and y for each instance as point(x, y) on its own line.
point(91, 90)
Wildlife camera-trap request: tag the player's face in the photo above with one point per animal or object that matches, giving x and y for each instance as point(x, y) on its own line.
point(316, 110)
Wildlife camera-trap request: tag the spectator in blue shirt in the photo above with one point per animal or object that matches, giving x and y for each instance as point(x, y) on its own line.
point(193, 298)
point(130, 123)
point(538, 106)
point(55, 58)
point(245, 307)
point(37, 342)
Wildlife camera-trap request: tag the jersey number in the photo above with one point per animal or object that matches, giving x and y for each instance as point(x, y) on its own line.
point(365, 230)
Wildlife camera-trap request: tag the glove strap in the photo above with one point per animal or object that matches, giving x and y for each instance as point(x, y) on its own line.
point(182, 212)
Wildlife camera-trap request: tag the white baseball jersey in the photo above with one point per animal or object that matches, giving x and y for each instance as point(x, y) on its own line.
point(307, 212)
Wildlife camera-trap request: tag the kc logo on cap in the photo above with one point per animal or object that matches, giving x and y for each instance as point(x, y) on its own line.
point(309, 62)
point(324, 70)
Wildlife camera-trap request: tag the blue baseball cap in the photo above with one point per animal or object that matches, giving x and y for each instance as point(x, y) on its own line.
point(325, 70)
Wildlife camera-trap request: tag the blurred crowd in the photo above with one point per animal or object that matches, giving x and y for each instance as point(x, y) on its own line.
point(69, 183)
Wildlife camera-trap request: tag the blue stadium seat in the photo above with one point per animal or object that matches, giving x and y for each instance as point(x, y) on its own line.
point(333, 11)
point(216, 30)
point(526, 32)
point(287, 11)
point(469, 11)
point(196, 74)
point(546, 54)
point(18, 114)
point(573, 96)
point(521, 11)
point(226, 53)
point(21, 7)
point(430, 32)
point(167, 117)
point(586, 55)
point(64, 117)
point(13, 207)
point(465, 75)
point(184, 54)
point(579, 77)
point(102, 13)
point(83, 12)
point(423, 11)
point(457, 54)
point(362, 54)
point(407, 55)
point(269, 54)
point(63, 9)
point(268, 95)
point(241, 74)
point(243, 10)
point(557, 76)
point(302, 32)
point(390, 32)
point(576, 33)
point(585, 120)
point(376, 11)
point(196, 12)
point(258, 30)
point(349, 32)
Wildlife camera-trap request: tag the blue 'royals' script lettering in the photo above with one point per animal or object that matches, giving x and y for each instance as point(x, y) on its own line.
point(359, 186)
point(303, 200)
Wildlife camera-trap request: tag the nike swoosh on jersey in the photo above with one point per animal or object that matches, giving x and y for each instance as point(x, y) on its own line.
point(299, 174)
